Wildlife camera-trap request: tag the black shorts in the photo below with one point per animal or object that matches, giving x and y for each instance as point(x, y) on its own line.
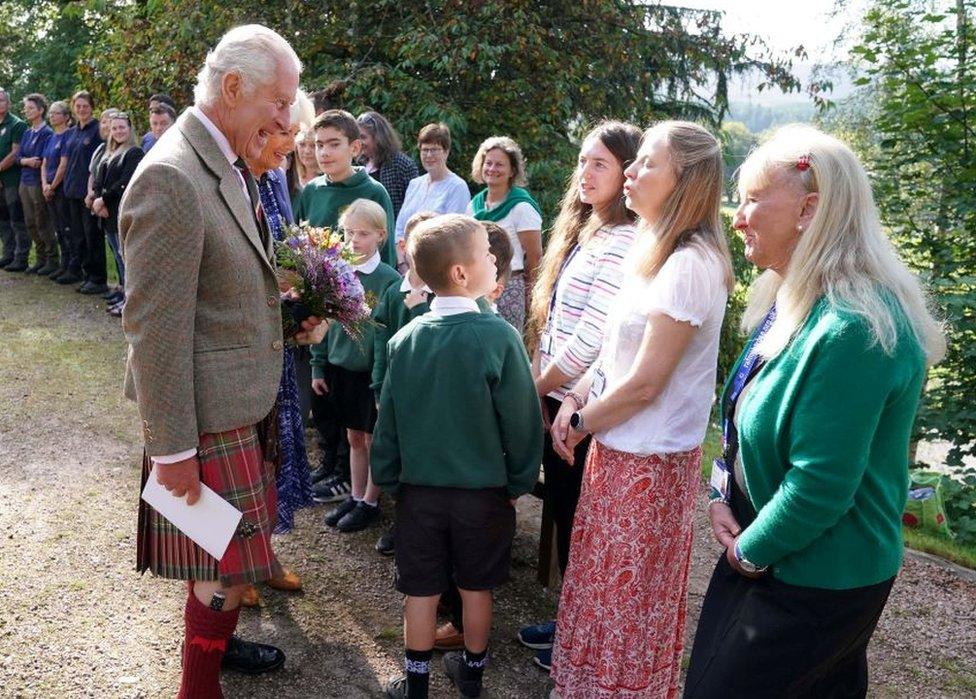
point(353, 399)
point(440, 530)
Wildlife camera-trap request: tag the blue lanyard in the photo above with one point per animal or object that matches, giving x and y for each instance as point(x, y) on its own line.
point(272, 213)
point(742, 376)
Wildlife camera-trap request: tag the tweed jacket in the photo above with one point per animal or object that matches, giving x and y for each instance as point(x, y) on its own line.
point(202, 315)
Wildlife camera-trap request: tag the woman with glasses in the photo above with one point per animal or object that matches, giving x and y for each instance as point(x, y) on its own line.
point(440, 190)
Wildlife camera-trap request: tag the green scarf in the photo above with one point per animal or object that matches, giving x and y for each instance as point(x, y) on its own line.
point(516, 195)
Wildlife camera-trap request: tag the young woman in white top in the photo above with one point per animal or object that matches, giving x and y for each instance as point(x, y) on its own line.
point(622, 609)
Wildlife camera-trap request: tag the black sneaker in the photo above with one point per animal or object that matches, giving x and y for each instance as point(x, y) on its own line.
point(333, 516)
point(359, 518)
point(454, 667)
point(331, 490)
point(384, 544)
point(324, 471)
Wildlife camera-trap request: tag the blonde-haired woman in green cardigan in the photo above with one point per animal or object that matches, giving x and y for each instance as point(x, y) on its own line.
point(817, 418)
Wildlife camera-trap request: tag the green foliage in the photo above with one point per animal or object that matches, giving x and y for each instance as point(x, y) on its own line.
point(737, 141)
point(40, 42)
point(541, 72)
point(731, 341)
point(959, 495)
point(913, 124)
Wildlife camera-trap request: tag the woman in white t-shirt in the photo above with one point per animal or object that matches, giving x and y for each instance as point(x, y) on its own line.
point(500, 166)
point(622, 610)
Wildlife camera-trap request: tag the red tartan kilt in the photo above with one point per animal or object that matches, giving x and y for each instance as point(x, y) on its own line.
point(233, 464)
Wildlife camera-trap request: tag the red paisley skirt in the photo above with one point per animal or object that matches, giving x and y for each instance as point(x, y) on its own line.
point(620, 629)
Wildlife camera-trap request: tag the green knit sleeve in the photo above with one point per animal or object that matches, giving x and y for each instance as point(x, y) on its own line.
point(384, 455)
point(381, 335)
point(319, 353)
point(835, 414)
point(519, 414)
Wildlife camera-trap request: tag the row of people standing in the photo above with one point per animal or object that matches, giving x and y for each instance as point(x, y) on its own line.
point(63, 177)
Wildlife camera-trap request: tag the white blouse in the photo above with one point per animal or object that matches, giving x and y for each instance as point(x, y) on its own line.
point(690, 287)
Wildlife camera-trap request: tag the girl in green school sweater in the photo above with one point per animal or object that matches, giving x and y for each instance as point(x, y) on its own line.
point(342, 365)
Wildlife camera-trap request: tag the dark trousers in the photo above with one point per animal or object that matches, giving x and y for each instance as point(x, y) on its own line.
point(765, 638)
point(332, 437)
point(94, 264)
point(563, 484)
point(57, 208)
point(79, 222)
point(111, 227)
point(13, 230)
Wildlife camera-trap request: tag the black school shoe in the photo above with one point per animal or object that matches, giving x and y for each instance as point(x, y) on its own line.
point(251, 658)
point(384, 544)
point(360, 517)
point(454, 667)
point(333, 516)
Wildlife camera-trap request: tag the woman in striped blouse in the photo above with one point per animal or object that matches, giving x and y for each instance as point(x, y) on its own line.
point(579, 277)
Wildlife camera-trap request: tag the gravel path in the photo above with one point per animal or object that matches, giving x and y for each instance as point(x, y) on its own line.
point(76, 621)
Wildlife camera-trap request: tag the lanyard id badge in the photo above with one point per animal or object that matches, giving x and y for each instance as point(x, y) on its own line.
point(599, 383)
point(720, 479)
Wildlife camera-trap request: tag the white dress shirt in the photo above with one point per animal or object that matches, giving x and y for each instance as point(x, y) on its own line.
point(452, 305)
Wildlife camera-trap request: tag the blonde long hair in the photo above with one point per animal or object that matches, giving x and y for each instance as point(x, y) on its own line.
point(842, 255)
point(692, 213)
point(576, 223)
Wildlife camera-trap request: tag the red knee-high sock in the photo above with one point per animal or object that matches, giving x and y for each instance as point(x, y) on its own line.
point(207, 633)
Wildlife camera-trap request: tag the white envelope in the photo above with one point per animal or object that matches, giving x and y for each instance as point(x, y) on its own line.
point(210, 522)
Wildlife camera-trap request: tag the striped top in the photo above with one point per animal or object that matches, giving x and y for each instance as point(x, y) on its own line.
point(584, 291)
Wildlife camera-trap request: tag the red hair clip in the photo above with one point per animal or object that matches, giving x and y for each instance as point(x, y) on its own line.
point(803, 163)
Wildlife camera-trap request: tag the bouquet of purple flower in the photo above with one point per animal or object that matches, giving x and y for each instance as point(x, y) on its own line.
point(317, 264)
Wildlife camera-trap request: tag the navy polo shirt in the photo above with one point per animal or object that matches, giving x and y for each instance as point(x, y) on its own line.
point(79, 146)
point(32, 146)
point(53, 150)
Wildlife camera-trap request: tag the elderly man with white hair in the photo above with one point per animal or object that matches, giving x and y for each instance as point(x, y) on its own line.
point(203, 324)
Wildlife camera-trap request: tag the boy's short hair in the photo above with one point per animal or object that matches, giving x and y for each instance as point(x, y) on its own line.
point(340, 120)
point(501, 247)
point(163, 98)
point(440, 243)
point(164, 108)
point(367, 210)
point(416, 220)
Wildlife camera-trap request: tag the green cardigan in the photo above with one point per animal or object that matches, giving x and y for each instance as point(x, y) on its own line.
point(823, 437)
point(458, 408)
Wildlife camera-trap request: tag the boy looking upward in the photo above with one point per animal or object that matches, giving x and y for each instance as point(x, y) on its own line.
point(458, 439)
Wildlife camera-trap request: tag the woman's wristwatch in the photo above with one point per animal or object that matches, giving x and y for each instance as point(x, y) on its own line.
point(747, 565)
point(576, 421)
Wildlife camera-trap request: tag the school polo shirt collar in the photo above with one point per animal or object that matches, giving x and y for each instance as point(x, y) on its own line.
point(406, 286)
point(370, 265)
point(452, 305)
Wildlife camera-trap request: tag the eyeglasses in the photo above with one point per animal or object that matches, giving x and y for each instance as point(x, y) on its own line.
point(434, 150)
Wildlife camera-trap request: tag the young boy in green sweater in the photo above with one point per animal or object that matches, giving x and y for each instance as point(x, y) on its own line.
point(342, 366)
point(337, 145)
point(458, 439)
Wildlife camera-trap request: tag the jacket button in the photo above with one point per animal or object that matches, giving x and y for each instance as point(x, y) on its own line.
point(277, 344)
point(272, 302)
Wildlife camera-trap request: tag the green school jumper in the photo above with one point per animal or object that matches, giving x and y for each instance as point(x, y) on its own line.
point(321, 202)
point(824, 433)
point(458, 408)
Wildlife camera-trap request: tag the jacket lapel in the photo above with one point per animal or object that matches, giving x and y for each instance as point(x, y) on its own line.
point(230, 184)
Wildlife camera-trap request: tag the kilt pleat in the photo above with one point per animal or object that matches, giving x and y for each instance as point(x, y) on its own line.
point(233, 464)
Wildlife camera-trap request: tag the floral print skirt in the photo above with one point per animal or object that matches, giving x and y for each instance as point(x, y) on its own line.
point(620, 629)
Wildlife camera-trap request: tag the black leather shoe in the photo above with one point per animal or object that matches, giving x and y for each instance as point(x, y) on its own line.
point(251, 658)
point(34, 268)
point(333, 516)
point(90, 289)
point(360, 517)
point(385, 543)
point(17, 267)
point(54, 274)
point(68, 278)
point(5, 262)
